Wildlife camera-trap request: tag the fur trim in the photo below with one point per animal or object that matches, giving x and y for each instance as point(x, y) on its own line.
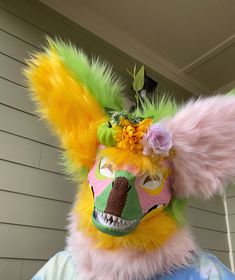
point(128, 264)
point(203, 136)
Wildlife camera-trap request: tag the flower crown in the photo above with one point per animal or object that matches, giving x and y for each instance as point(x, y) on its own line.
point(136, 134)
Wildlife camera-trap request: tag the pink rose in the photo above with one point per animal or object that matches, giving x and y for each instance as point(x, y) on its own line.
point(157, 140)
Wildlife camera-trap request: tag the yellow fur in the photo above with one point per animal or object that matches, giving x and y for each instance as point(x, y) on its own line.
point(151, 233)
point(68, 105)
point(142, 164)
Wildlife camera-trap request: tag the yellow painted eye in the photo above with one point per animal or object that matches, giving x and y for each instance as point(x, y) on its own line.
point(153, 184)
point(106, 168)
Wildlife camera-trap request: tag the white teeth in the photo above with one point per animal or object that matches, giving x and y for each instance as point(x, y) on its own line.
point(115, 222)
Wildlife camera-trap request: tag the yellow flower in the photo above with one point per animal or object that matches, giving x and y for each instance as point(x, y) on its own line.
point(128, 135)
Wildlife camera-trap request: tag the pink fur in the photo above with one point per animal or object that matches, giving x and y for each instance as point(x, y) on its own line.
point(204, 139)
point(98, 264)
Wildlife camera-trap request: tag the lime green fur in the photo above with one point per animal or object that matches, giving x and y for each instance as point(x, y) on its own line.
point(162, 107)
point(96, 76)
point(177, 208)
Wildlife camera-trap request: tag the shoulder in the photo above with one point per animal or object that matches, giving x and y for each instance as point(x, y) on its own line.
point(204, 267)
point(210, 266)
point(59, 267)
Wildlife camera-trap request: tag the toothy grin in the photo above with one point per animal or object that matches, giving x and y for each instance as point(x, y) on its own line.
point(112, 221)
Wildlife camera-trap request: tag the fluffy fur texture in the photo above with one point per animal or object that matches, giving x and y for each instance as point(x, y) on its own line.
point(72, 94)
point(152, 232)
point(162, 107)
point(204, 138)
point(97, 77)
point(68, 105)
point(142, 164)
point(125, 264)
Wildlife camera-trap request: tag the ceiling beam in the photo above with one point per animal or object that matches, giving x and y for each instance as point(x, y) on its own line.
point(209, 55)
point(82, 15)
point(226, 88)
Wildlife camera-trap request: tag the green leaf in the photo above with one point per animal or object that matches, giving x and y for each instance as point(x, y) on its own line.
point(138, 82)
point(134, 70)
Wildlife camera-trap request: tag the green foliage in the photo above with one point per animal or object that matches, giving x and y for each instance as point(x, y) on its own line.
point(138, 81)
point(96, 76)
point(116, 117)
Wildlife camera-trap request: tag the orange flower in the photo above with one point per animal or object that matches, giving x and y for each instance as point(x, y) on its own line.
point(128, 135)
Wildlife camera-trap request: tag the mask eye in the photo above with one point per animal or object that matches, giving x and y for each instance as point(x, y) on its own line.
point(106, 168)
point(152, 182)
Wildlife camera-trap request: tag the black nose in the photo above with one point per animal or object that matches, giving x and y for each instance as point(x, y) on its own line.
point(117, 197)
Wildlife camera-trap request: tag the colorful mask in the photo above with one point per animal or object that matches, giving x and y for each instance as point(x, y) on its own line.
point(134, 170)
point(122, 196)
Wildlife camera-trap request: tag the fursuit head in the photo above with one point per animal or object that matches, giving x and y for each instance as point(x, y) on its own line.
point(134, 171)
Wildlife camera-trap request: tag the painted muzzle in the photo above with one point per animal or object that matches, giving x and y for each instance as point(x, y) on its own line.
point(122, 199)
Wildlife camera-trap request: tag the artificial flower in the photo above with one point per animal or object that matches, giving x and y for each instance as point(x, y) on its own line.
point(157, 140)
point(128, 135)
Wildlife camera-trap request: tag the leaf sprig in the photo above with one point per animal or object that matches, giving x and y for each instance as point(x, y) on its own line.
point(138, 82)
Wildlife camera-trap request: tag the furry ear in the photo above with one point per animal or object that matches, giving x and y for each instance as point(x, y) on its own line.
point(72, 93)
point(204, 138)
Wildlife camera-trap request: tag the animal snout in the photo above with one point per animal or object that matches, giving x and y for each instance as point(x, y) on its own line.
point(117, 197)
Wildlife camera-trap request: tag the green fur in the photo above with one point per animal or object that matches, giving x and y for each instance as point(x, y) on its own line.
point(162, 107)
point(97, 77)
point(176, 209)
point(77, 174)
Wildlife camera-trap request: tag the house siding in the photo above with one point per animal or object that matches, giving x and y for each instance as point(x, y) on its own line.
point(230, 200)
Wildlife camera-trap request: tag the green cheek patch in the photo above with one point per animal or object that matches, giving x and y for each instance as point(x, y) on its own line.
point(132, 209)
point(101, 200)
point(117, 209)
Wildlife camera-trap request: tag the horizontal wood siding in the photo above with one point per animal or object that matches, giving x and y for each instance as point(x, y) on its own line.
point(35, 195)
point(209, 226)
point(29, 242)
point(230, 199)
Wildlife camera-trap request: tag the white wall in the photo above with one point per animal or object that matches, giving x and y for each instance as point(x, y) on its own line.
point(35, 196)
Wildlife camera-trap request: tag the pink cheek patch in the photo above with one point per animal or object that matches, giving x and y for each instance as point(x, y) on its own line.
point(98, 185)
point(147, 200)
